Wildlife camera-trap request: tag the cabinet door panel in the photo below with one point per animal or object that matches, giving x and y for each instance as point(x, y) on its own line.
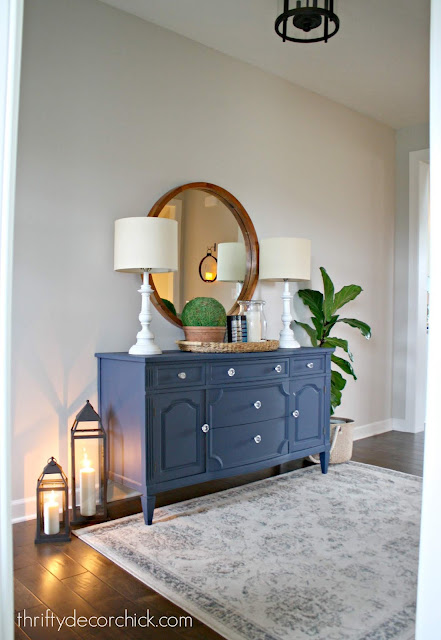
point(178, 441)
point(307, 413)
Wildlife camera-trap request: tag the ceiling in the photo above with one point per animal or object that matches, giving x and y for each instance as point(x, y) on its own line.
point(377, 64)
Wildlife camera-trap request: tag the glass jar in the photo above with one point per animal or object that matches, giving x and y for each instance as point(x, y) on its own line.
point(256, 322)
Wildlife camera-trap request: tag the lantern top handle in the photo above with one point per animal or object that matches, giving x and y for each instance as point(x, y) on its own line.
point(52, 467)
point(87, 414)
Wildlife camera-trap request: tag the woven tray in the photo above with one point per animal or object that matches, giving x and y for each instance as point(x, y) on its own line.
point(227, 347)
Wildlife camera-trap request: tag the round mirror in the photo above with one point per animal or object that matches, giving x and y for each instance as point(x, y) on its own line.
point(218, 250)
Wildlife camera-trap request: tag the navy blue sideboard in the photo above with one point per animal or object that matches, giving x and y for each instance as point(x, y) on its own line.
point(183, 418)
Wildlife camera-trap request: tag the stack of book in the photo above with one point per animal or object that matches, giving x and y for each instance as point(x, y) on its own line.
point(237, 329)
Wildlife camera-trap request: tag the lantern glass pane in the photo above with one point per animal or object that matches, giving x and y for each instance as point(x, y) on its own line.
point(89, 471)
point(52, 510)
point(52, 481)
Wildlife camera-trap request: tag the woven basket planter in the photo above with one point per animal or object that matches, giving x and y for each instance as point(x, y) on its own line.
point(342, 440)
point(342, 451)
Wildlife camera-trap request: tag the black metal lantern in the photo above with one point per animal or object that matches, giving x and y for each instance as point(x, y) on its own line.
point(52, 504)
point(88, 443)
point(208, 266)
point(310, 16)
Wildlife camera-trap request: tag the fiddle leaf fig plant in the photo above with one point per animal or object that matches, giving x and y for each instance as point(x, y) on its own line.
point(323, 307)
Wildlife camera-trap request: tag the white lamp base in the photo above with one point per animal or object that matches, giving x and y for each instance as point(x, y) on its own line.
point(287, 339)
point(145, 340)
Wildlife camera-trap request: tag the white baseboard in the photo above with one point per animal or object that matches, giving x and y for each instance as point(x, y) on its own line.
point(23, 509)
point(373, 429)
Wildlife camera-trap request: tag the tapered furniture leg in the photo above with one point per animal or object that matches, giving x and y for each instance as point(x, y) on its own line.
point(148, 506)
point(324, 461)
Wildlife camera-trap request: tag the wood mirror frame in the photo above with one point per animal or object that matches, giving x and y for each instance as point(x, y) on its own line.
point(249, 234)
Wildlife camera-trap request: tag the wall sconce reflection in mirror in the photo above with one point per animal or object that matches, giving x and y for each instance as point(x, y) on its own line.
point(208, 265)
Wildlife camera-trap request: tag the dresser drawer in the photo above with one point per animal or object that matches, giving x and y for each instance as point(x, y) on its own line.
point(243, 405)
point(305, 365)
point(178, 376)
point(235, 446)
point(238, 370)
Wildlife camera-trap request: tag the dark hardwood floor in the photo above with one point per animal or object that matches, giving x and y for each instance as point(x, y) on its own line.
point(393, 450)
point(64, 577)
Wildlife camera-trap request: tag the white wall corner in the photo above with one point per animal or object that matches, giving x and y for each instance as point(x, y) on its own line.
point(400, 424)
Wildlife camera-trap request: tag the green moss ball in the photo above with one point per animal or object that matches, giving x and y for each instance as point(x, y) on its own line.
point(170, 306)
point(204, 312)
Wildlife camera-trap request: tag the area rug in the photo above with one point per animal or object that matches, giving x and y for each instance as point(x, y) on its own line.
point(299, 556)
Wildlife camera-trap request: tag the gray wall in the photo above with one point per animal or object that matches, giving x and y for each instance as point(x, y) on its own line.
point(115, 112)
point(408, 139)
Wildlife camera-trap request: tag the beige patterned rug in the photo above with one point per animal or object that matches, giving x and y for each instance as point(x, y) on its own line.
point(296, 557)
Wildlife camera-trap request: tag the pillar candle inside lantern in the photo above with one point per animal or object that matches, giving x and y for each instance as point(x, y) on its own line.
point(87, 488)
point(51, 516)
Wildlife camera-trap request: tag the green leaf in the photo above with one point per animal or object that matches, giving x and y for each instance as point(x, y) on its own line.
point(344, 365)
point(313, 300)
point(335, 400)
point(312, 333)
point(339, 342)
point(358, 324)
point(328, 288)
point(345, 295)
point(318, 324)
point(338, 383)
point(328, 327)
point(337, 380)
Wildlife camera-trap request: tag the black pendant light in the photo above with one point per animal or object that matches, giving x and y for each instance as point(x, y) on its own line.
point(310, 16)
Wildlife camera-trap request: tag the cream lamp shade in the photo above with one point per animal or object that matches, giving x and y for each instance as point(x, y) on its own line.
point(231, 262)
point(285, 259)
point(146, 244)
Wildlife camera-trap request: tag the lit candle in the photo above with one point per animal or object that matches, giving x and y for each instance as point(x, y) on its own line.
point(51, 517)
point(87, 489)
point(209, 275)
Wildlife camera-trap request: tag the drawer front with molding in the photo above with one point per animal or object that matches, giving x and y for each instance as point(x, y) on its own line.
point(244, 444)
point(238, 370)
point(178, 376)
point(243, 405)
point(311, 365)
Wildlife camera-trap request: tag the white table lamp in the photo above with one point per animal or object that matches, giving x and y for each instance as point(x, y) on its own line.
point(231, 263)
point(146, 245)
point(287, 259)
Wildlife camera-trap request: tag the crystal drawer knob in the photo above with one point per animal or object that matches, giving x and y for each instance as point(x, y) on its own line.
point(205, 428)
point(257, 439)
point(310, 365)
point(231, 372)
point(182, 375)
point(296, 413)
point(278, 368)
point(257, 404)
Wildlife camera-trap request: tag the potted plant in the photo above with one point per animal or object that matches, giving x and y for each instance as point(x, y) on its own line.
point(204, 320)
point(323, 307)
